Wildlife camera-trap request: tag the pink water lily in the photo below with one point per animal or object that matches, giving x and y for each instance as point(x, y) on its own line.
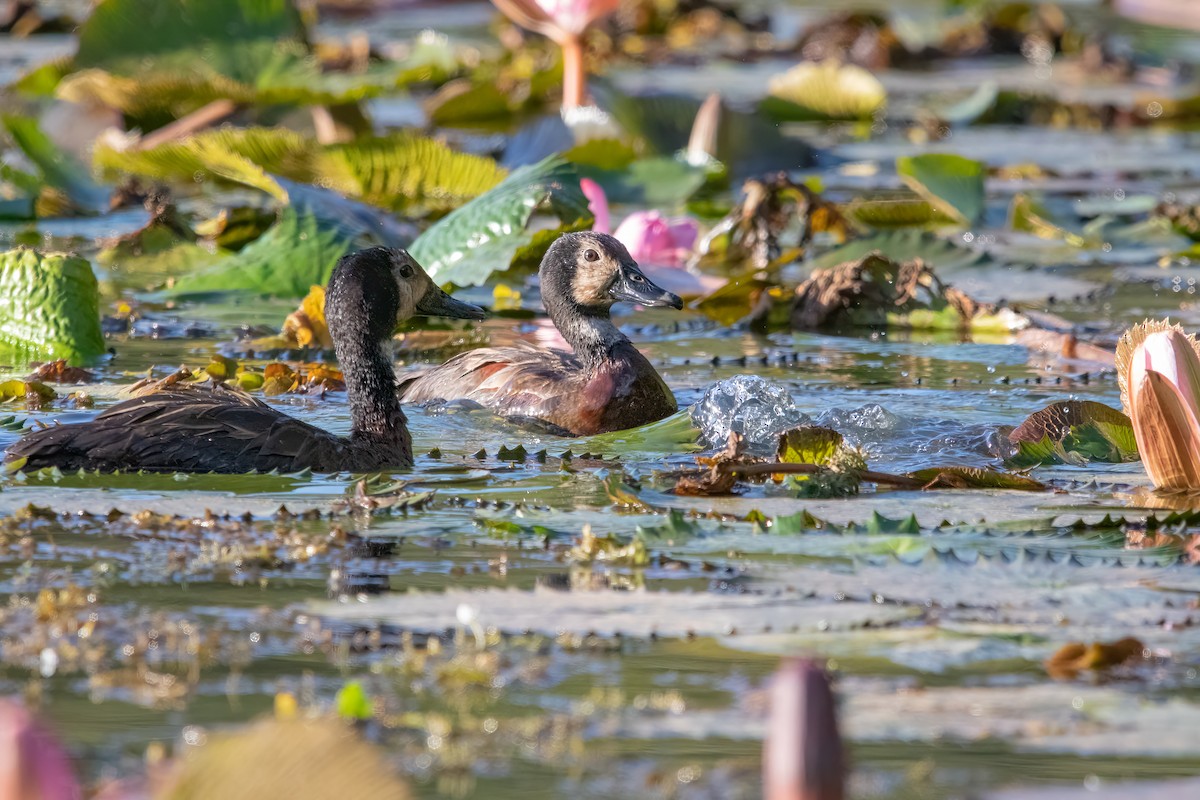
point(655, 239)
point(802, 753)
point(563, 21)
point(1159, 370)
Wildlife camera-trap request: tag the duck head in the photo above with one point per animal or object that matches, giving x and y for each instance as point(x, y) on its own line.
point(593, 270)
point(383, 287)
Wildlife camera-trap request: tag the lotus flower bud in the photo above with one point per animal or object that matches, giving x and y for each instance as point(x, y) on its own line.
point(802, 754)
point(1163, 390)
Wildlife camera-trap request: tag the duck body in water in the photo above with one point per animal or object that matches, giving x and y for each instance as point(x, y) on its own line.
point(212, 428)
point(604, 385)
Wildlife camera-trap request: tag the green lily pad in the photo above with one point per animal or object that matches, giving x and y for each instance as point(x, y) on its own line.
point(295, 254)
point(952, 184)
point(825, 90)
point(58, 170)
point(657, 182)
point(51, 307)
point(1074, 432)
point(484, 236)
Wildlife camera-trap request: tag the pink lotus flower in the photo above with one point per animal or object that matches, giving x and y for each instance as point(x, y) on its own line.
point(563, 21)
point(1161, 392)
point(654, 239)
point(802, 754)
point(33, 765)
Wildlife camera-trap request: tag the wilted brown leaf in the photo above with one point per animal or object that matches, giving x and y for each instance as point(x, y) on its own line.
point(305, 327)
point(1076, 657)
point(59, 372)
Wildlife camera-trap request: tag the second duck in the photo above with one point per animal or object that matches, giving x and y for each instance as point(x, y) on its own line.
point(604, 385)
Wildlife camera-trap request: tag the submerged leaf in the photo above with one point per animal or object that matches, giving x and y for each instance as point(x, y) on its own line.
point(975, 478)
point(486, 234)
point(952, 184)
point(50, 308)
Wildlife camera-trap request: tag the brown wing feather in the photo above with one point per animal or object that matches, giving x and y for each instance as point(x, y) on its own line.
point(194, 428)
point(518, 381)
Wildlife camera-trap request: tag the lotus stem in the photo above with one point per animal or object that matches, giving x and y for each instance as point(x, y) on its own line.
point(574, 78)
point(185, 126)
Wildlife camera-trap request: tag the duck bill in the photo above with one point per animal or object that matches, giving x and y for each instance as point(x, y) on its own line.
point(633, 286)
point(436, 303)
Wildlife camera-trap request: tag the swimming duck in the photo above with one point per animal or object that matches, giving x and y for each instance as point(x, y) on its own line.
point(212, 428)
point(604, 385)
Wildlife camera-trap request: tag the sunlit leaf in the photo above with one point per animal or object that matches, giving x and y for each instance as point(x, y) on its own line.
point(484, 236)
point(950, 183)
point(809, 444)
point(407, 172)
point(1075, 432)
point(285, 261)
point(824, 90)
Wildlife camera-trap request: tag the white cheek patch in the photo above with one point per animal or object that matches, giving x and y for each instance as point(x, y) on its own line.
point(590, 287)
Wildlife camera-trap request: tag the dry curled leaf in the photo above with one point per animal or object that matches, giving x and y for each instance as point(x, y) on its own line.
point(305, 327)
point(1076, 657)
point(876, 292)
point(149, 386)
point(59, 372)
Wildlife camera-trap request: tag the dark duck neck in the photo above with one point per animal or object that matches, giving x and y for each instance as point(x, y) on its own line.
point(361, 306)
point(588, 328)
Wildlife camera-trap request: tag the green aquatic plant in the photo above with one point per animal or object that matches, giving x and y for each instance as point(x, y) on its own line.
point(489, 233)
point(51, 307)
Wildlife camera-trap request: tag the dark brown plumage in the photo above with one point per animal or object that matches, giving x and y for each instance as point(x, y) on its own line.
point(604, 385)
point(207, 428)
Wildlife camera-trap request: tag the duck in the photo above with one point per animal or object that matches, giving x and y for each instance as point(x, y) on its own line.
point(206, 427)
point(604, 384)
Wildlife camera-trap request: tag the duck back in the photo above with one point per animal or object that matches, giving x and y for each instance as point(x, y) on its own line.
point(199, 428)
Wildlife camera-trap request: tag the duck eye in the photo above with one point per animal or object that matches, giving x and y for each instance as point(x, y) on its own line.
point(636, 278)
point(591, 255)
point(406, 271)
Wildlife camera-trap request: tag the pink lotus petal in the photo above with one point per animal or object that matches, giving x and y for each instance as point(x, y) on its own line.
point(1171, 355)
point(597, 203)
point(654, 239)
point(576, 16)
point(32, 762)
